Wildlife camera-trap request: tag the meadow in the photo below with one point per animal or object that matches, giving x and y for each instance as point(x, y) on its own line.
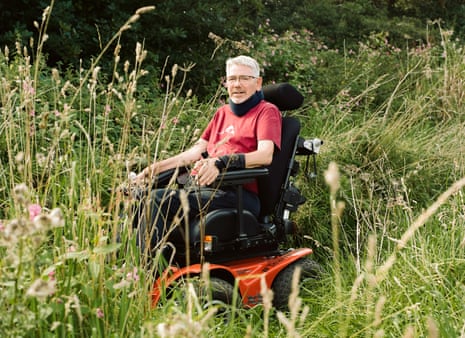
point(385, 215)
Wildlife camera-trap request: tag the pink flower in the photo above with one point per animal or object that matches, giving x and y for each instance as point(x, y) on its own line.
point(133, 275)
point(34, 210)
point(99, 313)
point(51, 275)
point(28, 88)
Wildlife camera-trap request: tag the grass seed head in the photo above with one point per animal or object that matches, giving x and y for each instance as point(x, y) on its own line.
point(41, 288)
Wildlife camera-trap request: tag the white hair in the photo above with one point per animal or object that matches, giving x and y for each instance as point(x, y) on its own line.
point(244, 61)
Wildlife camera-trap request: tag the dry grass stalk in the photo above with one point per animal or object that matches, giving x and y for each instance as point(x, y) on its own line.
point(382, 272)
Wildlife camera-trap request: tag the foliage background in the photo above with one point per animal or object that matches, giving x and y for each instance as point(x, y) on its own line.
point(177, 32)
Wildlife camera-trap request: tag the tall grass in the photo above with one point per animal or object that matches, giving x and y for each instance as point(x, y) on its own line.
point(394, 253)
point(401, 233)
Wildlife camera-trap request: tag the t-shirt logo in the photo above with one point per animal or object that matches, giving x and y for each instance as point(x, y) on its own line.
point(228, 130)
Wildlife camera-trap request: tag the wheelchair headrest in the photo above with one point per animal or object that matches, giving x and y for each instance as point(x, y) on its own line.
point(283, 95)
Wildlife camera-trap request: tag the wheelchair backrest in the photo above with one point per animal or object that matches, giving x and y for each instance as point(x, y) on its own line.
point(270, 187)
point(283, 95)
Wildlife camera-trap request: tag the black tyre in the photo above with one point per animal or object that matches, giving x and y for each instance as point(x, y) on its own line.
point(221, 291)
point(282, 284)
point(215, 292)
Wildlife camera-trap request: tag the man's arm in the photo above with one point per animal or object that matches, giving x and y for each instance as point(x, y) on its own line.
point(260, 157)
point(185, 158)
point(208, 170)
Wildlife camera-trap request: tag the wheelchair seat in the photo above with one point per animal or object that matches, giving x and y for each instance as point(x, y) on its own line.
point(234, 232)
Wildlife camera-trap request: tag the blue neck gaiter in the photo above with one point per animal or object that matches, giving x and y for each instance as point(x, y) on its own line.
point(242, 108)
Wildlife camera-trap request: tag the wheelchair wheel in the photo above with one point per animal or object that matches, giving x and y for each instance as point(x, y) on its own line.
point(216, 292)
point(221, 291)
point(282, 284)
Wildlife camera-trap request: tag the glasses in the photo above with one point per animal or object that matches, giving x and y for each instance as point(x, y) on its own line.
point(240, 78)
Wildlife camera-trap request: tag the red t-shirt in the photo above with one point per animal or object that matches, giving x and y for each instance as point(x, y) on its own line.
point(230, 134)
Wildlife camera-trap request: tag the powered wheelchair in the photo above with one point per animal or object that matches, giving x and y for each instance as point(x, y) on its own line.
point(241, 249)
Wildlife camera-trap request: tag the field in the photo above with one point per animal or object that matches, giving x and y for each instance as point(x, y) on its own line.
point(385, 215)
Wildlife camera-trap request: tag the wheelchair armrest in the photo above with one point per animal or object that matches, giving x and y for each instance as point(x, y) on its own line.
point(227, 178)
point(163, 179)
point(238, 177)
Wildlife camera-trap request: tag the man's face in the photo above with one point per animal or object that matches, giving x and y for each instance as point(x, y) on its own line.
point(241, 83)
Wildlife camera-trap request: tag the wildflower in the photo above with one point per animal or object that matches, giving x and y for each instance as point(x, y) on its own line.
point(52, 220)
point(41, 160)
point(19, 157)
point(34, 210)
point(20, 191)
point(133, 275)
point(14, 229)
point(41, 288)
point(57, 218)
point(28, 88)
point(42, 222)
point(121, 285)
point(99, 313)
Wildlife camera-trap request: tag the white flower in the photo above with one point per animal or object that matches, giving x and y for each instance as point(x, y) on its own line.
point(42, 288)
point(57, 219)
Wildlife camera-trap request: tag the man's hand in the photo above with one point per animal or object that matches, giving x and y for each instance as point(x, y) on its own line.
point(146, 175)
point(132, 186)
point(139, 179)
point(207, 172)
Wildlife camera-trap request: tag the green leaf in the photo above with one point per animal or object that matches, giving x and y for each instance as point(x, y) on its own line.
point(106, 249)
point(79, 255)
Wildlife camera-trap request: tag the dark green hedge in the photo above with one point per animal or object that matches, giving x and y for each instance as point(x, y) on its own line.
point(178, 30)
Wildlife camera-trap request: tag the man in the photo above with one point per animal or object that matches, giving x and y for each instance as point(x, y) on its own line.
point(242, 134)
